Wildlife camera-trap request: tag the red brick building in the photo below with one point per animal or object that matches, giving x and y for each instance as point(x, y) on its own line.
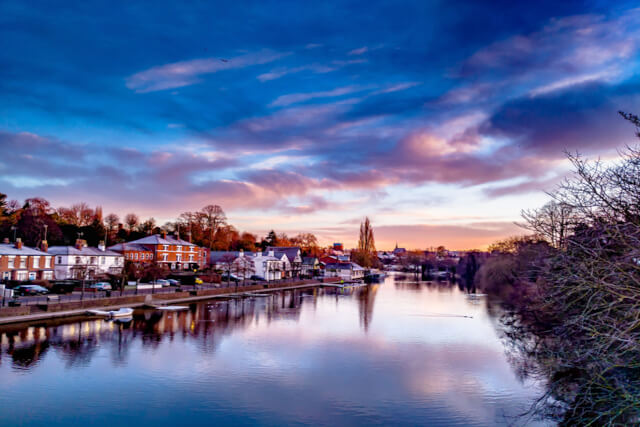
point(19, 262)
point(168, 251)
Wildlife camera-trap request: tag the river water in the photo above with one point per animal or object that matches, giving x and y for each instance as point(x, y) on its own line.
point(397, 353)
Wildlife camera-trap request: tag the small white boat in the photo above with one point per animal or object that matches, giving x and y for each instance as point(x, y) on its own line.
point(123, 312)
point(173, 308)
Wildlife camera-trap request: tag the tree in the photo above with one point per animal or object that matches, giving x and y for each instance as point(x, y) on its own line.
point(243, 267)
point(366, 255)
point(271, 239)
point(552, 222)
point(132, 221)
point(308, 244)
point(214, 217)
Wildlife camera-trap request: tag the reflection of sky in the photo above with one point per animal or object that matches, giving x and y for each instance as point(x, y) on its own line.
point(321, 367)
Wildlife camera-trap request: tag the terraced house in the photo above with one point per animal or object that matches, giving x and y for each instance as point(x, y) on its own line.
point(84, 262)
point(19, 262)
point(170, 252)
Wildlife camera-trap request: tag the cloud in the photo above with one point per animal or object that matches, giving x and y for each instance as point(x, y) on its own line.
point(185, 73)
point(295, 98)
point(359, 51)
point(281, 72)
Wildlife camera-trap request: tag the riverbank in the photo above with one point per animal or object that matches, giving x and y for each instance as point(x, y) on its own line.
point(33, 313)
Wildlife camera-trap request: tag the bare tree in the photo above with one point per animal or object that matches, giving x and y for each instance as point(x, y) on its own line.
point(215, 217)
point(131, 220)
point(553, 222)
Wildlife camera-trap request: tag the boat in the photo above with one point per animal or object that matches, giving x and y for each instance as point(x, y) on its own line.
point(173, 308)
point(123, 312)
point(374, 277)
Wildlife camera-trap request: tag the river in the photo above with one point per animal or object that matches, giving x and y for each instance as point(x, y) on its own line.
point(402, 352)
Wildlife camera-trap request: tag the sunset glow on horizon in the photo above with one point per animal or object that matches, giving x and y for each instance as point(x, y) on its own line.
point(440, 122)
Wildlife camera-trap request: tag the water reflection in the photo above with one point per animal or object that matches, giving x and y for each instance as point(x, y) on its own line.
point(392, 353)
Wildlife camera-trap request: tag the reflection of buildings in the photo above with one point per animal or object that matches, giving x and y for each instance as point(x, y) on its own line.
point(76, 342)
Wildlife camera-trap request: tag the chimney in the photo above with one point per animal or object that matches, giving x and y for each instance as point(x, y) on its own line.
point(272, 253)
point(79, 244)
point(241, 252)
point(189, 237)
point(18, 243)
point(163, 234)
point(44, 246)
point(101, 246)
point(6, 241)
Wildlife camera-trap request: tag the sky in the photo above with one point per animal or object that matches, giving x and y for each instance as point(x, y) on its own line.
point(439, 120)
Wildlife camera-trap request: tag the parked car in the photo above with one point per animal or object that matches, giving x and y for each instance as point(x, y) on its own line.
point(163, 282)
point(230, 278)
point(173, 282)
point(101, 286)
point(257, 278)
point(29, 290)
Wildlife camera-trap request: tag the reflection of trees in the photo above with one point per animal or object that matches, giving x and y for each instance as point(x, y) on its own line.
point(366, 297)
point(573, 394)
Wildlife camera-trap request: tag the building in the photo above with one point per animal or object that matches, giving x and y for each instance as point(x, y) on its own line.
point(291, 256)
point(170, 252)
point(83, 262)
point(264, 265)
point(21, 263)
point(310, 266)
point(344, 270)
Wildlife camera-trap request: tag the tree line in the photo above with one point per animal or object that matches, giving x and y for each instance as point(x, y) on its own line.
point(36, 219)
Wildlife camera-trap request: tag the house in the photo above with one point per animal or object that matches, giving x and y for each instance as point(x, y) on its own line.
point(265, 265)
point(291, 256)
point(399, 252)
point(21, 263)
point(310, 266)
point(170, 252)
point(83, 262)
point(344, 270)
point(268, 266)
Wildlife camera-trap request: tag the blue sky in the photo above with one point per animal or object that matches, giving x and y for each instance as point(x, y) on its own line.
point(439, 120)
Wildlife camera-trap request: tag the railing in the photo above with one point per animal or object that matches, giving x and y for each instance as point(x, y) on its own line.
point(90, 295)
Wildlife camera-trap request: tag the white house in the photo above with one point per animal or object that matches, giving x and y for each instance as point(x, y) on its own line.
point(268, 266)
point(344, 270)
point(291, 256)
point(83, 262)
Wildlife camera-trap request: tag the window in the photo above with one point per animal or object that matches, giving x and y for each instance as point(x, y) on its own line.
point(179, 257)
point(190, 258)
point(59, 260)
point(164, 257)
point(23, 262)
point(136, 256)
point(32, 275)
point(165, 247)
point(178, 248)
point(93, 260)
point(102, 260)
point(12, 261)
point(47, 275)
point(47, 262)
point(78, 260)
point(36, 262)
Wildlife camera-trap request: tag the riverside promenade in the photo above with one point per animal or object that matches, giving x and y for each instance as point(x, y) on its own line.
point(39, 312)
